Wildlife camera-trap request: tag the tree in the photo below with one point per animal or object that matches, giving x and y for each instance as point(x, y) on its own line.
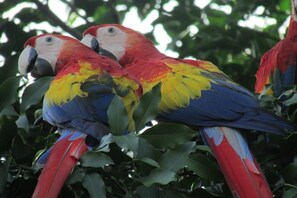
point(217, 32)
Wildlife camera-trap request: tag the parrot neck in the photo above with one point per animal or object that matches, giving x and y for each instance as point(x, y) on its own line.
point(73, 53)
point(79, 58)
point(140, 51)
point(292, 30)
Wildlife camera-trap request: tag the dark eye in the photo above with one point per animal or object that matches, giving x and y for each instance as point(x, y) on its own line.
point(49, 39)
point(111, 30)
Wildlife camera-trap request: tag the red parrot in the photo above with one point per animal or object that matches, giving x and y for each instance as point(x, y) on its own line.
point(278, 65)
point(198, 94)
point(76, 101)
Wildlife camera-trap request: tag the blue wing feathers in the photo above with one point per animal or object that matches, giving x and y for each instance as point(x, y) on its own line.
point(288, 77)
point(86, 114)
point(230, 107)
point(283, 80)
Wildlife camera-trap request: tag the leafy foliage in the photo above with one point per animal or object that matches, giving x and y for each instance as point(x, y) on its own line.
point(166, 160)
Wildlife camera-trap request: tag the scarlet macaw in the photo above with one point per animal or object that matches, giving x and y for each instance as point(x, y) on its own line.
point(278, 65)
point(76, 101)
point(198, 94)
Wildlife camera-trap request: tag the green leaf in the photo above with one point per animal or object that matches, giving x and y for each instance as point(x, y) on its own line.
point(8, 130)
point(150, 162)
point(146, 150)
point(204, 148)
point(203, 167)
point(128, 142)
point(104, 144)
point(26, 15)
point(117, 116)
point(22, 151)
point(9, 69)
point(36, 167)
point(76, 176)
point(160, 134)
point(284, 5)
point(9, 89)
point(172, 194)
point(148, 192)
point(159, 176)
point(200, 192)
point(72, 18)
point(95, 159)
point(290, 173)
point(291, 193)
point(291, 100)
point(103, 15)
point(153, 191)
point(9, 111)
point(129, 194)
point(176, 158)
point(94, 185)
point(34, 92)
point(147, 108)
point(22, 122)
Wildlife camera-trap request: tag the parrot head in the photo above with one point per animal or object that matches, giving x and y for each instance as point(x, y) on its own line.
point(124, 43)
point(47, 54)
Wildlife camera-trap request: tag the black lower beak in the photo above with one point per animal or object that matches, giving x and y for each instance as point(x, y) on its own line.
point(32, 59)
point(42, 68)
point(107, 53)
point(95, 45)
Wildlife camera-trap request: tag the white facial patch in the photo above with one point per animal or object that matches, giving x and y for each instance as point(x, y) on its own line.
point(113, 40)
point(48, 48)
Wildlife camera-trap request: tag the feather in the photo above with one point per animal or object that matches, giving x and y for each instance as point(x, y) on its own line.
point(241, 171)
point(62, 158)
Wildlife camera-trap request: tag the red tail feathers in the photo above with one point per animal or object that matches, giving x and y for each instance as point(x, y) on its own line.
point(62, 158)
point(239, 167)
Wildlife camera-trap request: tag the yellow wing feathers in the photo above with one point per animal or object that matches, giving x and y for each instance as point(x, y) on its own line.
point(181, 83)
point(65, 88)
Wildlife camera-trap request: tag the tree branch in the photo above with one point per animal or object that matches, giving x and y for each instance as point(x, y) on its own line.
point(74, 9)
point(56, 20)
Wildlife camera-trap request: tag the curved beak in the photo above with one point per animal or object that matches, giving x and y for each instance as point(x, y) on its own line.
point(294, 9)
point(29, 62)
point(91, 42)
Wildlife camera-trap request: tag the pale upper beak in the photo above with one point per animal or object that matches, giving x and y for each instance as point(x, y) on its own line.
point(294, 9)
point(91, 42)
point(29, 62)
